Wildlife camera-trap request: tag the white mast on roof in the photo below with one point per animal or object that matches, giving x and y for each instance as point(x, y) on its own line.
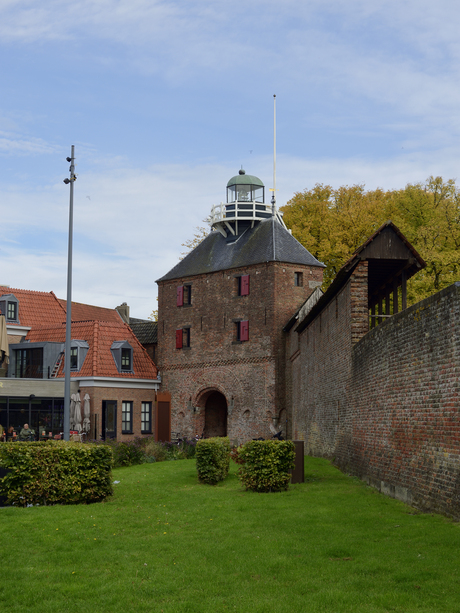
point(274, 156)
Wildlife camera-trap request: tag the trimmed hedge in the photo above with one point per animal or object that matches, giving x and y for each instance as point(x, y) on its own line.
point(265, 465)
point(55, 472)
point(212, 459)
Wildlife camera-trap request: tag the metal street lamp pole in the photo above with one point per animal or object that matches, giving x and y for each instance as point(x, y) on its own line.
point(68, 325)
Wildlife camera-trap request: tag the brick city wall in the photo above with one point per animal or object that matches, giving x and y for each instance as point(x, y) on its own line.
point(402, 431)
point(251, 372)
point(318, 366)
point(384, 404)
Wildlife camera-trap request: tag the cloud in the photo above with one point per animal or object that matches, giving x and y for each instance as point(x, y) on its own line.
point(130, 232)
point(19, 145)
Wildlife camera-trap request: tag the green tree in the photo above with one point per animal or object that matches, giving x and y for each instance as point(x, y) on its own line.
point(333, 223)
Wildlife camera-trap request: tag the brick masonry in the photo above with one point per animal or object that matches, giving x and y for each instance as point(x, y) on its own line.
point(250, 375)
point(383, 403)
point(120, 395)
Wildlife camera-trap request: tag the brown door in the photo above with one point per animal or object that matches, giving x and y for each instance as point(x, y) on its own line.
point(163, 417)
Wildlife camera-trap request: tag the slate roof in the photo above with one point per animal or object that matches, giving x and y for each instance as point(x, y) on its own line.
point(267, 241)
point(145, 330)
point(35, 308)
point(100, 335)
point(88, 312)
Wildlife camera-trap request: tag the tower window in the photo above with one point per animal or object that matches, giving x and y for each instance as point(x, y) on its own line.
point(182, 338)
point(298, 279)
point(242, 331)
point(184, 295)
point(243, 285)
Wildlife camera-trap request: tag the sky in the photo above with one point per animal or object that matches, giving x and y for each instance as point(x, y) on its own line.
point(166, 100)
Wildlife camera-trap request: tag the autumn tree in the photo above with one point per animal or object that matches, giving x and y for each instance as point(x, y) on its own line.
point(200, 234)
point(333, 223)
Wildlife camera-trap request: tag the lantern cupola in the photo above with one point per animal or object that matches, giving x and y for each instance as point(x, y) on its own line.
point(244, 208)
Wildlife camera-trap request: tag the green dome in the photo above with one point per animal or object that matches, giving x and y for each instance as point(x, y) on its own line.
point(243, 179)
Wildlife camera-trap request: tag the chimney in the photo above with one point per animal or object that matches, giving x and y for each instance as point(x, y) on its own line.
point(123, 312)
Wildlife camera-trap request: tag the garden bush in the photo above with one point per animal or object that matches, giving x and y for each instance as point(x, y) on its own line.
point(55, 472)
point(158, 451)
point(212, 459)
point(127, 453)
point(265, 465)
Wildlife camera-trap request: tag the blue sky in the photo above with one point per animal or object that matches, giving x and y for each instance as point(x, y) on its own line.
point(164, 101)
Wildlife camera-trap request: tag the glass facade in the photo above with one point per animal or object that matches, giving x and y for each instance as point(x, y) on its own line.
point(44, 415)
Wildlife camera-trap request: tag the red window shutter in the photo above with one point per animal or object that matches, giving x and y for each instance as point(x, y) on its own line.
point(178, 339)
point(245, 285)
point(180, 295)
point(244, 330)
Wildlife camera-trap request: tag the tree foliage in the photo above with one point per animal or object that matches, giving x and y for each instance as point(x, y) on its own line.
point(333, 223)
point(190, 244)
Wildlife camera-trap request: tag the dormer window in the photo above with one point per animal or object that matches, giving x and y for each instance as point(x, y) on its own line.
point(78, 351)
point(12, 311)
point(74, 358)
point(122, 353)
point(126, 355)
point(9, 307)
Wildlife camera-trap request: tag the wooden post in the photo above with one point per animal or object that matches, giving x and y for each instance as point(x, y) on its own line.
point(404, 290)
point(387, 301)
point(395, 296)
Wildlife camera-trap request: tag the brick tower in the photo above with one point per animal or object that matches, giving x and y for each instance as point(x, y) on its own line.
point(221, 315)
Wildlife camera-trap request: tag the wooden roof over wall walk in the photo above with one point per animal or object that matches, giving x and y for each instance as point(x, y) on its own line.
point(391, 258)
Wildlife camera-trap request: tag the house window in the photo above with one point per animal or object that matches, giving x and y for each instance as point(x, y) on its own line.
point(126, 417)
point(29, 363)
point(12, 311)
point(182, 338)
point(9, 307)
point(298, 279)
point(243, 285)
point(122, 353)
point(74, 358)
point(78, 351)
point(146, 418)
point(242, 331)
point(126, 355)
point(184, 295)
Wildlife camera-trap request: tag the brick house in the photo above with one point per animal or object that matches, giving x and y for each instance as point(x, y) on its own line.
point(221, 315)
point(108, 365)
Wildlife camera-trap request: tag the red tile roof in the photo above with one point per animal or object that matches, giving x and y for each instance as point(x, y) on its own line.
point(100, 335)
point(44, 308)
point(87, 312)
point(36, 308)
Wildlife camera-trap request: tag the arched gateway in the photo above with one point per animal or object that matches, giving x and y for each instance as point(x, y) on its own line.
point(215, 415)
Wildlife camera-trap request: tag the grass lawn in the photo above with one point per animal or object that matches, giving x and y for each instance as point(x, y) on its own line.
point(164, 543)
